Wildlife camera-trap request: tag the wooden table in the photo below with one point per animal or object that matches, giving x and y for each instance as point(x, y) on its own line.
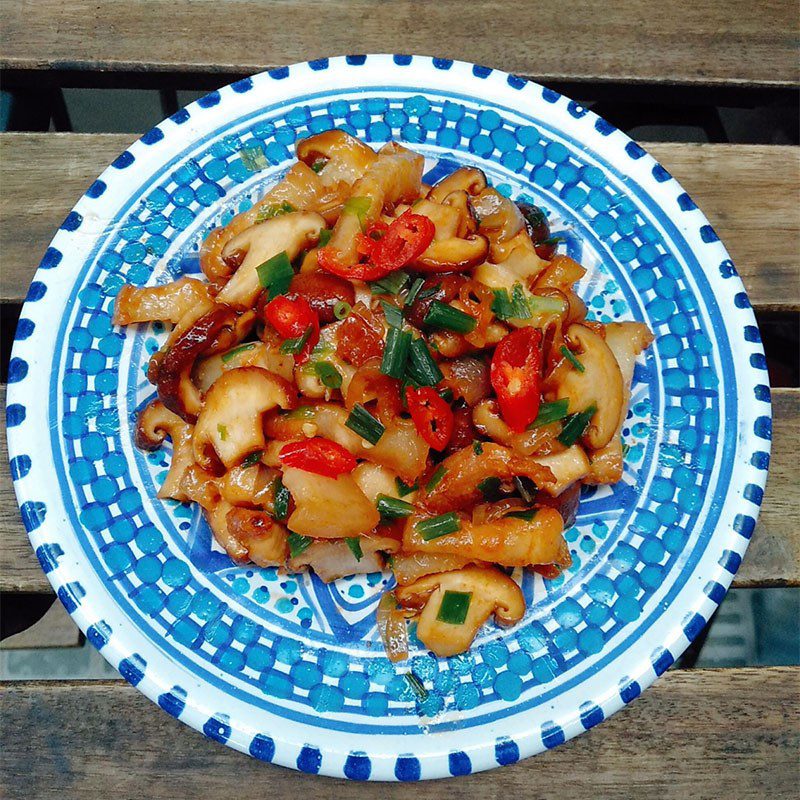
point(696, 733)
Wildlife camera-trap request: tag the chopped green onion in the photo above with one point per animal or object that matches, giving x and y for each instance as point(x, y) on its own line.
point(430, 291)
point(575, 426)
point(253, 158)
point(393, 283)
point(551, 412)
point(392, 508)
point(359, 206)
point(551, 240)
point(293, 346)
point(526, 488)
point(276, 210)
point(395, 355)
point(527, 515)
point(342, 309)
point(325, 237)
point(394, 316)
point(477, 447)
point(434, 527)
point(447, 395)
point(318, 165)
point(222, 431)
point(298, 544)
point(416, 685)
point(422, 369)
point(403, 488)
point(280, 501)
point(226, 357)
point(514, 306)
point(328, 374)
point(253, 458)
point(442, 315)
point(414, 291)
point(454, 607)
point(302, 412)
point(436, 478)
point(275, 274)
point(364, 424)
point(489, 488)
point(626, 448)
point(354, 543)
point(572, 358)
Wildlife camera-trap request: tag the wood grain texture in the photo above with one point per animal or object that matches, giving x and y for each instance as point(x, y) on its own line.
point(773, 558)
point(694, 734)
point(713, 42)
point(748, 192)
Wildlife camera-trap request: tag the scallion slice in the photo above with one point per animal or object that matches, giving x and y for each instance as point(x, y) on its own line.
point(342, 309)
point(477, 447)
point(364, 424)
point(275, 210)
point(328, 374)
point(434, 527)
point(513, 306)
point(392, 508)
point(489, 488)
point(393, 283)
point(297, 544)
point(359, 206)
point(414, 291)
point(416, 686)
point(275, 274)
point(354, 543)
point(551, 412)
point(253, 458)
point(422, 369)
point(280, 499)
point(226, 357)
point(394, 316)
point(572, 358)
point(436, 478)
point(325, 237)
point(442, 315)
point(454, 607)
point(293, 346)
point(395, 355)
point(527, 515)
point(403, 488)
point(430, 291)
point(575, 426)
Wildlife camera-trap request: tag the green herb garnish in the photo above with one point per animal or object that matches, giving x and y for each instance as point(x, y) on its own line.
point(403, 488)
point(364, 424)
point(442, 315)
point(354, 543)
point(551, 412)
point(395, 354)
point(572, 358)
point(342, 309)
point(477, 447)
point(280, 499)
point(325, 237)
point(253, 458)
point(394, 316)
point(454, 607)
point(276, 210)
point(422, 369)
point(434, 527)
point(393, 283)
point(294, 346)
point(275, 274)
point(359, 206)
point(328, 374)
point(298, 544)
point(392, 508)
point(416, 685)
point(226, 357)
point(575, 426)
point(436, 478)
point(527, 515)
point(489, 488)
point(411, 296)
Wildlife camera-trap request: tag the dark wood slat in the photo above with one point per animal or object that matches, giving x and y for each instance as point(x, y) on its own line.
point(694, 734)
point(717, 42)
point(748, 192)
point(773, 558)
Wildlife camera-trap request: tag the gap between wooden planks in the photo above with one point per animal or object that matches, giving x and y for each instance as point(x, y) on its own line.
point(773, 558)
point(748, 192)
point(693, 734)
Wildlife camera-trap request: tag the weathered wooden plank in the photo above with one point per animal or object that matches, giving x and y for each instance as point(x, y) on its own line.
point(694, 734)
point(715, 42)
point(748, 192)
point(772, 560)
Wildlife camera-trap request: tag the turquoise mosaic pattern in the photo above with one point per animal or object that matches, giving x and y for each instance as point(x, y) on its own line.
point(308, 652)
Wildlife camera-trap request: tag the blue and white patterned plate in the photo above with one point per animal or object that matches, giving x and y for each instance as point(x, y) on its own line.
point(286, 668)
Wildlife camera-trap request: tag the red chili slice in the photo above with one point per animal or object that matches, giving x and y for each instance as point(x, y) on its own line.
point(516, 376)
point(432, 416)
point(292, 316)
point(406, 239)
point(318, 455)
point(329, 260)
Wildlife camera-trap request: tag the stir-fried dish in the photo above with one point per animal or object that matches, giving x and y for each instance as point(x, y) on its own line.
point(377, 373)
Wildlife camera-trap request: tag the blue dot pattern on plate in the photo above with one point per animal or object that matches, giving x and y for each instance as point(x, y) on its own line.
point(280, 641)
